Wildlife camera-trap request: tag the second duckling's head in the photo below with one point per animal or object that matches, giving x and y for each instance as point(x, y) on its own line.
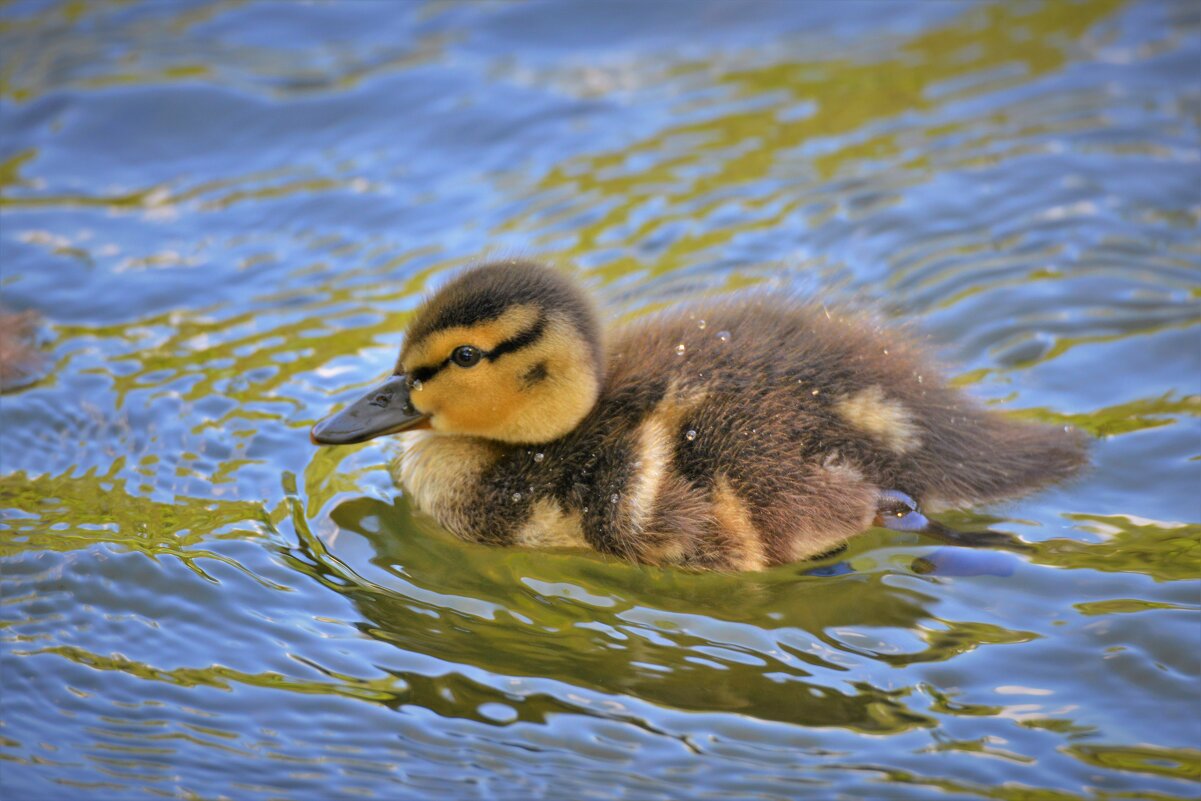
point(508, 351)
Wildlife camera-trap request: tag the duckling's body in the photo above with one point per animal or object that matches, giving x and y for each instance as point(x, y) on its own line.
point(723, 435)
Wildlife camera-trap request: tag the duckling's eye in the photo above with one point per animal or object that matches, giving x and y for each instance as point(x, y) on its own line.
point(466, 356)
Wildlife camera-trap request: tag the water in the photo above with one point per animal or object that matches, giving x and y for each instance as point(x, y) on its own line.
point(226, 212)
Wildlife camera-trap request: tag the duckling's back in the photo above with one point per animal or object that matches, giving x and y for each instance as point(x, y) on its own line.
point(795, 418)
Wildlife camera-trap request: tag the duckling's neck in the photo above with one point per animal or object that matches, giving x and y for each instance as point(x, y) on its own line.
point(443, 474)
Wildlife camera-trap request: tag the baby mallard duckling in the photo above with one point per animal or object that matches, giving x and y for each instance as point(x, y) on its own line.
point(727, 435)
point(20, 359)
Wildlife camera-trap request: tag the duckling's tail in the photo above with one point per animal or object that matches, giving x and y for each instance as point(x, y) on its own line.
point(1012, 458)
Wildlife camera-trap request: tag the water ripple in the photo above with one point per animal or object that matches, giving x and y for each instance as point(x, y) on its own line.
point(226, 213)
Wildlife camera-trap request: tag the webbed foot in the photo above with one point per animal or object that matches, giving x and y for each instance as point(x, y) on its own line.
point(898, 511)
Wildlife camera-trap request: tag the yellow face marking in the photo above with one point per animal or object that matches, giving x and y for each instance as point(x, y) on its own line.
point(734, 519)
point(494, 399)
point(549, 527)
point(886, 420)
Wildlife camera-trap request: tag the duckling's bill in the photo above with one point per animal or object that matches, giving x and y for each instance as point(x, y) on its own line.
point(386, 409)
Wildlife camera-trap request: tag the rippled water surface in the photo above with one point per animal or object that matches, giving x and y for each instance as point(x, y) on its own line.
point(225, 213)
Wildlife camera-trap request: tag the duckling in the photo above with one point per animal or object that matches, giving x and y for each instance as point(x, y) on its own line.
point(724, 435)
point(20, 359)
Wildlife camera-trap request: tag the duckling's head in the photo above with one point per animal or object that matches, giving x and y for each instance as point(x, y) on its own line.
point(508, 351)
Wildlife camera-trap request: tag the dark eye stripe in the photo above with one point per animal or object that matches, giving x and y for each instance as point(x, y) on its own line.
point(522, 340)
point(424, 374)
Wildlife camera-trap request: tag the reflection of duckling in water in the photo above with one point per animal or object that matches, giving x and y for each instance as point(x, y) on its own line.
point(725, 435)
point(20, 359)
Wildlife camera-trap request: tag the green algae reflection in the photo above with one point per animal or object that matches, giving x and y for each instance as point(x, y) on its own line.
point(68, 513)
point(737, 149)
